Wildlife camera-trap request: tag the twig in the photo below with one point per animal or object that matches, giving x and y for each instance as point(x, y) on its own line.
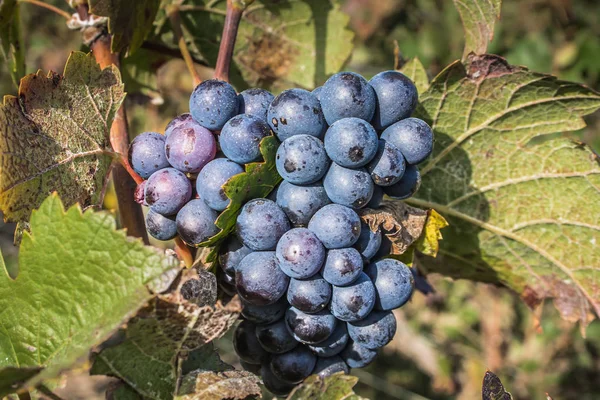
point(201, 9)
point(125, 163)
point(185, 52)
point(230, 30)
point(184, 252)
point(162, 49)
point(48, 393)
point(50, 7)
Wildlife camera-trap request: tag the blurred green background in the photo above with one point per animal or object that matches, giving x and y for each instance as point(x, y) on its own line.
point(445, 341)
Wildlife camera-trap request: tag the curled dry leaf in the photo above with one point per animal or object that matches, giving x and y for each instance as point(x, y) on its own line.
point(493, 389)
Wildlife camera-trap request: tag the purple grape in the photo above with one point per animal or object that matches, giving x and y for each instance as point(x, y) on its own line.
point(259, 280)
point(334, 343)
point(139, 195)
point(296, 112)
point(355, 301)
point(348, 187)
point(346, 95)
point(232, 255)
point(261, 224)
point(375, 331)
point(300, 253)
point(227, 284)
point(273, 383)
point(213, 103)
point(351, 142)
point(396, 98)
point(377, 197)
point(301, 159)
point(407, 186)
point(265, 314)
point(147, 154)
point(388, 165)
point(317, 92)
point(177, 122)
point(309, 295)
point(160, 227)
point(167, 191)
point(275, 338)
point(246, 344)
point(190, 147)
point(413, 137)
point(336, 226)
point(196, 222)
point(357, 356)
point(368, 242)
point(300, 203)
point(310, 328)
point(255, 102)
point(293, 366)
point(211, 179)
point(328, 366)
point(241, 136)
point(342, 266)
point(394, 283)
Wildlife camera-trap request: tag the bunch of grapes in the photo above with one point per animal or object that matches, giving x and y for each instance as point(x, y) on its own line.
point(318, 293)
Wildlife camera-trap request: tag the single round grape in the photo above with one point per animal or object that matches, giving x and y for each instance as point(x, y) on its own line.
point(211, 179)
point(259, 280)
point(377, 197)
point(275, 338)
point(300, 253)
point(309, 295)
point(254, 368)
point(388, 165)
point(261, 224)
point(407, 186)
point(160, 227)
point(147, 154)
point(317, 92)
point(394, 283)
point(232, 255)
point(336, 226)
point(296, 112)
point(246, 344)
point(300, 203)
point(334, 343)
point(351, 142)
point(177, 122)
point(227, 284)
point(293, 366)
point(328, 366)
point(357, 356)
point(396, 98)
point(348, 187)
point(342, 266)
point(385, 249)
point(213, 103)
point(375, 331)
point(167, 191)
point(190, 147)
point(273, 383)
point(346, 95)
point(265, 314)
point(413, 137)
point(301, 159)
point(255, 102)
point(196, 222)
point(355, 301)
point(241, 136)
point(368, 242)
point(310, 328)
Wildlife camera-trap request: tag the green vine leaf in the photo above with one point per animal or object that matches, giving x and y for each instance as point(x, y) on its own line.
point(492, 388)
point(415, 70)
point(78, 280)
point(522, 203)
point(13, 47)
point(55, 137)
point(334, 387)
point(478, 18)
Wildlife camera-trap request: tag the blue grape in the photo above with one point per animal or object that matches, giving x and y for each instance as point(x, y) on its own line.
point(385, 249)
point(232, 255)
point(300, 253)
point(388, 165)
point(275, 338)
point(241, 136)
point(375, 331)
point(293, 366)
point(246, 344)
point(211, 179)
point(213, 103)
point(259, 280)
point(346, 95)
point(368, 242)
point(309, 295)
point(196, 222)
point(413, 137)
point(377, 198)
point(300, 203)
point(160, 227)
point(336, 226)
point(342, 266)
point(355, 301)
point(349, 187)
point(147, 154)
point(396, 98)
point(177, 123)
point(407, 186)
point(328, 366)
point(265, 314)
point(351, 142)
point(255, 102)
point(261, 224)
point(334, 343)
point(310, 328)
point(190, 147)
point(317, 92)
point(296, 112)
point(394, 283)
point(273, 383)
point(357, 356)
point(301, 159)
point(167, 191)
point(227, 283)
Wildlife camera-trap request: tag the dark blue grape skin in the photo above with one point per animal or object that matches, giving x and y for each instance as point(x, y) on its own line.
point(211, 179)
point(190, 147)
point(275, 338)
point(368, 242)
point(334, 343)
point(255, 102)
point(348, 187)
point(375, 331)
point(355, 301)
point(295, 365)
point(147, 154)
point(301, 202)
point(246, 344)
point(328, 366)
point(227, 284)
point(317, 92)
point(346, 95)
point(310, 328)
point(351, 142)
point(160, 227)
point(261, 224)
point(357, 356)
point(273, 383)
point(213, 103)
point(254, 368)
point(265, 314)
point(196, 222)
point(167, 191)
point(336, 226)
point(300, 253)
point(177, 122)
point(301, 159)
point(413, 137)
point(394, 283)
point(296, 112)
point(388, 166)
point(377, 198)
point(384, 249)
point(407, 186)
point(310, 295)
point(233, 253)
point(342, 266)
point(259, 280)
point(241, 136)
point(397, 98)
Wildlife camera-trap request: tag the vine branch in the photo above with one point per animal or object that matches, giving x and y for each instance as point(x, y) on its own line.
point(233, 17)
point(50, 7)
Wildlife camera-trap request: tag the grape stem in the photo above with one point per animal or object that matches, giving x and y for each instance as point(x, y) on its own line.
point(235, 9)
point(125, 163)
point(184, 252)
point(175, 19)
